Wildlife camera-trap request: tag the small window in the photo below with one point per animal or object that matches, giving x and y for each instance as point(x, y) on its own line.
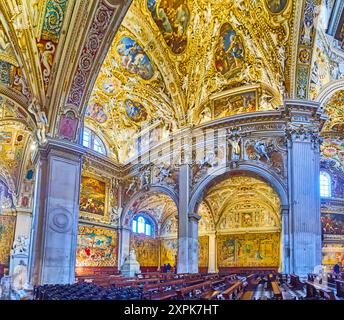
point(92, 141)
point(142, 225)
point(325, 184)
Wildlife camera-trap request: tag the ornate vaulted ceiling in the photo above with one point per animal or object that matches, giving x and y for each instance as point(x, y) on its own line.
point(175, 63)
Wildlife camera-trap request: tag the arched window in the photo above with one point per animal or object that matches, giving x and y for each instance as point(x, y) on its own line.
point(92, 141)
point(142, 225)
point(325, 184)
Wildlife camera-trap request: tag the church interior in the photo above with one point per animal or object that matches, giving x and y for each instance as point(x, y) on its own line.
point(172, 150)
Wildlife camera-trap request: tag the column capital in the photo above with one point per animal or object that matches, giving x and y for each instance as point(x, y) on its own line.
point(59, 146)
point(194, 217)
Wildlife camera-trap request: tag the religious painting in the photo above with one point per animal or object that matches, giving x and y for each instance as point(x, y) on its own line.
point(248, 250)
point(332, 254)
point(276, 6)
point(172, 18)
point(235, 104)
point(146, 249)
point(7, 226)
point(134, 59)
point(68, 126)
point(93, 196)
point(111, 85)
point(203, 251)
point(5, 137)
point(229, 53)
point(169, 251)
point(96, 112)
point(135, 111)
point(97, 247)
point(332, 223)
point(339, 35)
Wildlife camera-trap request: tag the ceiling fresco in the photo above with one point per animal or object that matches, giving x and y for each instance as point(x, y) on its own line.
point(335, 110)
point(169, 58)
point(237, 193)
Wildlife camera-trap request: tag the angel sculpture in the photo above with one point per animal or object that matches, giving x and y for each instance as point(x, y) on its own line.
point(41, 121)
point(132, 187)
point(163, 174)
point(207, 161)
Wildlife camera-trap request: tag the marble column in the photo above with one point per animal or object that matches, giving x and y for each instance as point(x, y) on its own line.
point(212, 268)
point(303, 129)
point(193, 243)
point(285, 246)
point(55, 213)
point(183, 219)
point(124, 245)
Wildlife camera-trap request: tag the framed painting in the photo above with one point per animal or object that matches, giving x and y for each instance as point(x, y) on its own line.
point(94, 197)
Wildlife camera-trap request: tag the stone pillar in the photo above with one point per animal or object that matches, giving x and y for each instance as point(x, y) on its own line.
point(285, 246)
point(303, 174)
point(193, 243)
point(183, 219)
point(124, 245)
point(55, 213)
point(212, 267)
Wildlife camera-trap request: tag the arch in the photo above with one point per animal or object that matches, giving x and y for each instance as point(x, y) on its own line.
point(153, 189)
point(328, 90)
point(271, 178)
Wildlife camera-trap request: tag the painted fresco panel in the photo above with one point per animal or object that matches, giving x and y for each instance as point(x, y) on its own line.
point(203, 251)
point(248, 250)
point(97, 247)
point(92, 196)
point(169, 251)
point(7, 225)
point(332, 223)
point(146, 249)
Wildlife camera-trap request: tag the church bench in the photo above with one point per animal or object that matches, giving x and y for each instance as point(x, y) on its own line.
point(295, 282)
point(316, 291)
point(233, 291)
point(276, 290)
point(340, 288)
point(167, 295)
point(192, 291)
point(210, 294)
point(248, 295)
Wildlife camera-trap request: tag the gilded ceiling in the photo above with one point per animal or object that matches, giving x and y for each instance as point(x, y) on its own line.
point(170, 59)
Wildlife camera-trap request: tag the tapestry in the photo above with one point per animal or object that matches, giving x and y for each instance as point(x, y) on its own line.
point(169, 251)
point(7, 225)
point(146, 249)
point(97, 247)
point(92, 196)
point(332, 223)
point(203, 251)
point(248, 250)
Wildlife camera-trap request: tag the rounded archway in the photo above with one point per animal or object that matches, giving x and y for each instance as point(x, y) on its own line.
point(241, 214)
point(152, 221)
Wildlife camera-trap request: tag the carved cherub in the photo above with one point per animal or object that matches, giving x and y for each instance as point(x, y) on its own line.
point(41, 121)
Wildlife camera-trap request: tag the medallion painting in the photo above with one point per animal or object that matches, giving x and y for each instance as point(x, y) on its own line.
point(134, 59)
point(172, 18)
point(332, 224)
point(97, 247)
point(248, 250)
point(229, 54)
point(96, 112)
point(276, 6)
point(92, 196)
point(135, 111)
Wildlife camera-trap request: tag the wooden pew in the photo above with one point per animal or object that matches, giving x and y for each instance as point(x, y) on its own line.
point(340, 288)
point(248, 295)
point(234, 291)
point(315, 291)
point(276, 290)
point(295, 282)
point(192, 290)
